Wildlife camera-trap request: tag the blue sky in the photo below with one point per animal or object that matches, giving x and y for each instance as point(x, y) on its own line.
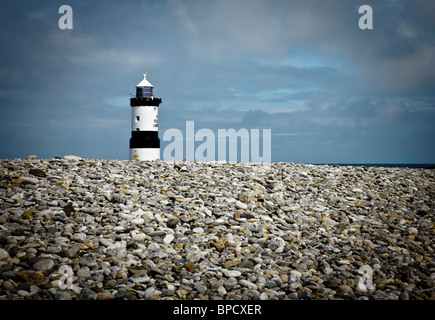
point(330, 92)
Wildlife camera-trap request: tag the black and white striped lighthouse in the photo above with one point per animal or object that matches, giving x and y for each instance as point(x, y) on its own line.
point(144, 142)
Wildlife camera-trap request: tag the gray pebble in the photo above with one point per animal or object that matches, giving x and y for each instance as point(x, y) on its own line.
point(43, 265)
point(182, 230)
point(3, 254)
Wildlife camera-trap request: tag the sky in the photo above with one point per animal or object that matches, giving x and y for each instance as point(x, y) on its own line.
point(329, 91)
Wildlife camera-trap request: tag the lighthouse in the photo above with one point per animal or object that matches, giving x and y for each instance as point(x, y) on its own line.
point(144, 141)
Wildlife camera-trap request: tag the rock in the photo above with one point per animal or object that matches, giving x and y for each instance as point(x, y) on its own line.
point(413, 231)
point(32, 277)
point(154, 271)
point(193, 256)
point(106, 296)
point(105, 242)
point(28, 180)
point(250, 226)
point(246, 263)
point(38, 172)
point(263, 296)
point(43, 265)
point(232, 273)
point(305, 294)
point(230, 284)
point(8, 285)
point(72, 158)
point(3, 254)
point(68, 209)
point(156, 233)
point(199, 231)
point(221, 290)
point(189, 267)
point(168, 239)
point(240, 205)
point(28, 214)
point(295, 285)
point(296, 274)
point(22, 293)
point(138, 221)
point(248, 284)
point(32, 157)
point(172, 223)
point(328, 222)
point(84, 273)
point(63, 296)
point(215, 230)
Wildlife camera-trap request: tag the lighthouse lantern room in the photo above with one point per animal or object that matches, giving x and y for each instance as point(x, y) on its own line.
point(144, 141)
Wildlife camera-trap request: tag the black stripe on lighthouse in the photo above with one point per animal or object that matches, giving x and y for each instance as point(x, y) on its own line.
point(144, 139)
point(145, 101)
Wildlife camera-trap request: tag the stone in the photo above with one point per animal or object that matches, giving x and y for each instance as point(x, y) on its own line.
point(22, 293)
point(105, 242)
point(4, 255)
point(43, 265)
point(173, 230)
point(248, 284)
point(329, 222)
point(8, 285)
point(156, 271)
point(168, 239)
point(72, 158)
point(232, 273)
point(84, 273)
point(413, 230)
point(296, 273)
point(264, 296)
point(151, 294)
point(172, 223)
point(199, 231)
point(138, 221)
point(193, 256)
point(68, 209)
point(37, 172)
point(221, 290)
point(120, 228)
point(295, 285)
point(29, 180)
point(189, 267)
point(28, 214)
point(156, 233)
point(32, 277)
point(246, 263)
point(240, 205)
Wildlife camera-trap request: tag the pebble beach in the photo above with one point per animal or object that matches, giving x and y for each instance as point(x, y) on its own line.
point(92, 229)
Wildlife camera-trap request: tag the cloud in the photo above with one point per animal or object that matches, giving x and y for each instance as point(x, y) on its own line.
point(328, 90)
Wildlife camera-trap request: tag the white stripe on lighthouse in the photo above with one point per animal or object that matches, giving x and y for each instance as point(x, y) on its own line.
point(144, 118)
point(145, 154)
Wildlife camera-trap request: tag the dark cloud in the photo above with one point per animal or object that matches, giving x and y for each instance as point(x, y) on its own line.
point(329, 91)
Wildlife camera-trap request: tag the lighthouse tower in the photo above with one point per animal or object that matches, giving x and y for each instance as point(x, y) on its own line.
point(144, 142)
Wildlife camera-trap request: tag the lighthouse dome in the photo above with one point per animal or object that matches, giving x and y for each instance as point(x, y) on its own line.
point(144, 88)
